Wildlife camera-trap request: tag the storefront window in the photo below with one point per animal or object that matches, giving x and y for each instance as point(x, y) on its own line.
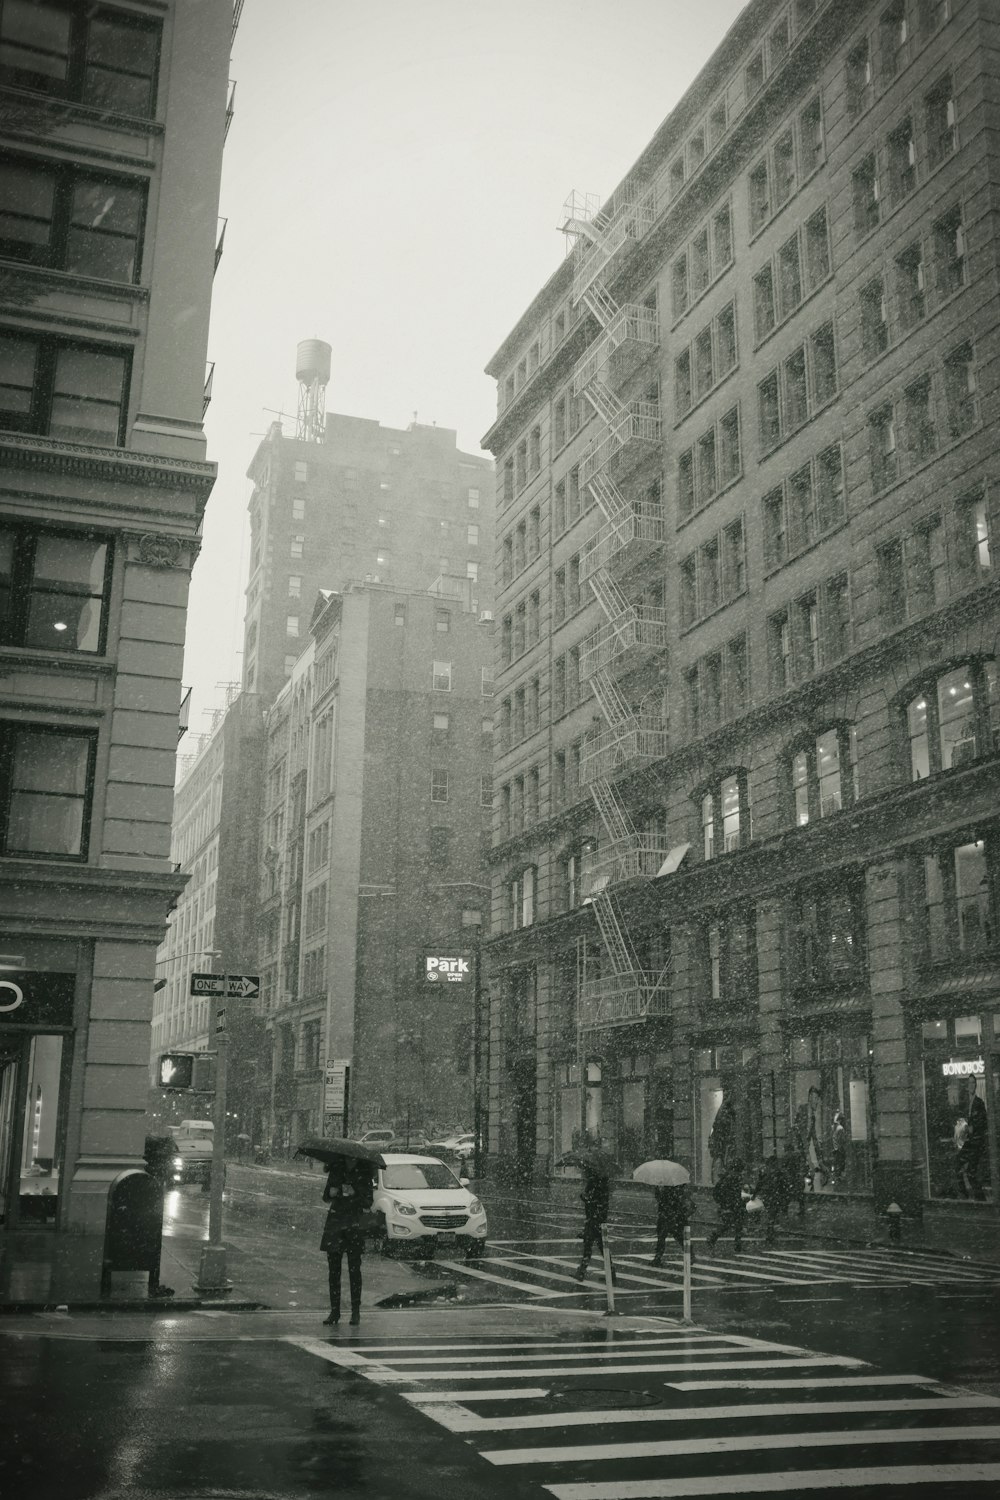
point(959, 1074)
point(831, 1111)
point(728, 1123)
point(32, 1092)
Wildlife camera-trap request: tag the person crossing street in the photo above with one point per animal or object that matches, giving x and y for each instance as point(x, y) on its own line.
point(728, 1195)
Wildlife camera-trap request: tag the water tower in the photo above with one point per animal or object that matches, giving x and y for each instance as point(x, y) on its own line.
point(312, 371)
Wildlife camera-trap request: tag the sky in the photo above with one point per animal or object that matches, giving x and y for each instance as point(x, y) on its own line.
point(393, 180)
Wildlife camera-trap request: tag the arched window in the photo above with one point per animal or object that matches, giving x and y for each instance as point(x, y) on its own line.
point(953, 719)
point(823, 774)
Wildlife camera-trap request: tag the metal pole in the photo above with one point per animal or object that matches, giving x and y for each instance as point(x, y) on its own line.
point(609, 1285)
point(477, 1103)
point(212, 1271)
point(687, 1273)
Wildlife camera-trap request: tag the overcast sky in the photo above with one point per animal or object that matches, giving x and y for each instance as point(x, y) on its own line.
point(393, 181)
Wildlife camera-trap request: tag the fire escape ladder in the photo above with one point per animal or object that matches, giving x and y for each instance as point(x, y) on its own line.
point(613, 812)
point(609, 497)
point(601, 303)
point(610, 699)
point(609, 596)
point(617, 942)
point(612, 412)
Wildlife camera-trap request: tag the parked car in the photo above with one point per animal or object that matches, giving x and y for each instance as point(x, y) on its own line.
point(463, 1146)
point(419, 1203)
point(413, 1140)
point(377, 1138)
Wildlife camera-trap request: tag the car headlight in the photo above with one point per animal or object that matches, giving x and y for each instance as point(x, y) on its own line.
point(178, 1162)
point(404, 1208)
point(475, 1207)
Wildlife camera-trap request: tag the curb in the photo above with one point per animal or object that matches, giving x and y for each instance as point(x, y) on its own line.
point(155, 1305)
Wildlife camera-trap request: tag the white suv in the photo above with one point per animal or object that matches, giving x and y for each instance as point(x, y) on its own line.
point(420, 1202)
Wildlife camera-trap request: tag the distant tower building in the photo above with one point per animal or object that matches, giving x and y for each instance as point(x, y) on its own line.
point(312, 371)
point(347, 500)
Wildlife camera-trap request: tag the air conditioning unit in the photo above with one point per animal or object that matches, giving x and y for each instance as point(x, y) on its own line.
point(485, 614)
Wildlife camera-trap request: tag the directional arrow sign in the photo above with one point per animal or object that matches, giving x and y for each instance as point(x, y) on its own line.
point(232, 986)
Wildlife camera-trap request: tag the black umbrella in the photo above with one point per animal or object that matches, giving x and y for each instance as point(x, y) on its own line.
point(335, 1149)
point(592, 1159)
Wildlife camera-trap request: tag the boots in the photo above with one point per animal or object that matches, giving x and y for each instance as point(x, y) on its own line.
point(355, 1314)
point(581, 1271)
point(333, 1316)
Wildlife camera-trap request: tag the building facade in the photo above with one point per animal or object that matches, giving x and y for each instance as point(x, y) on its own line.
point(216, 828)
point(356, 501)
point(746, 838)
point(112, 122)
point(376, 810)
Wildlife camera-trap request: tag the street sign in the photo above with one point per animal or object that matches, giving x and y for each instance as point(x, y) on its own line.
point(220, 1019)
point(455, 968)
point(335, 1086)
point(233, 986)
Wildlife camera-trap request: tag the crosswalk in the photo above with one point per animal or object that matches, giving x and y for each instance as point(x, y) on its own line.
point(543, 1268)
point(671, 1412)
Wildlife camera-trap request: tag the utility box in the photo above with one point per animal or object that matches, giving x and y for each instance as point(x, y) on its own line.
point(134, 1227)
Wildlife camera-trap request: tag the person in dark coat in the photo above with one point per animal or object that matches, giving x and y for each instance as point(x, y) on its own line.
point(772, 1190)
point(722, 1138)
point(794, 1166)
point(596, 1199)
point(728, 1194)
point(349, 1192)
point(673, 1214)
point(160, 1152)
point(974, 1147)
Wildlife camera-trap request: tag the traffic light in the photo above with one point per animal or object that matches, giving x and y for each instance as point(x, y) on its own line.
point(176, 1070)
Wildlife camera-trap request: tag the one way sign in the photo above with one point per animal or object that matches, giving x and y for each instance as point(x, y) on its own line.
point(232, 986)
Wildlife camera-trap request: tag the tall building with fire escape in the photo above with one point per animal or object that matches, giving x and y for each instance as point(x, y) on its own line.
point(746, 848)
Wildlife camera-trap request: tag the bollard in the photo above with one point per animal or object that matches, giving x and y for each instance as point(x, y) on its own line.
point(609, 1285)
point(895, 1216)
point(687, 1273)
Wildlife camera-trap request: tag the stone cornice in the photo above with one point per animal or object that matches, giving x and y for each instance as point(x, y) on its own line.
point(25, 451)
point(94, 878)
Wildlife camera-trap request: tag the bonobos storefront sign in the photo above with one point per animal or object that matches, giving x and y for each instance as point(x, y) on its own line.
point(31, 997)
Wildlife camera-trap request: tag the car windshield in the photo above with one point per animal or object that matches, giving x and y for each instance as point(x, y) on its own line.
point(425, 1174)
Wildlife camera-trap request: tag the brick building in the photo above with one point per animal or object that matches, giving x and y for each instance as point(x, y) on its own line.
point(356, 500)
point(112, 123)
point(746, 835)
point(375, 820)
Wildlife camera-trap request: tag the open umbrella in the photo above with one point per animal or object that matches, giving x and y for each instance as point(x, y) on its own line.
point(333, 1149)
point(662, 1173)
point(590, 1159)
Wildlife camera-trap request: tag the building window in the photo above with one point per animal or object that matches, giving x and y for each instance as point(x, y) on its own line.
point(103, 58)
point(441, 677)
point(725, 816)
point(824, 774)
point(960, 391)
point(893, 39)
point(960, 918)
point(940, 123)
point(867, 205)
point(911, 290)
point(291, 624)
point(882, 448)
point(46, 785)
point(442, 621)
point(859, 79)
point(789, 276)
point(685, 484)
point(53, 590)
point(72, 221)
point(974, 555)
point(874, 320)
point(954, 719)
point(440, 722)
point(679, 287)
point(828, 945)
point(764, 307)
point(902, 162)
point(439, 784)
point(783, 157)
point(949, 252)
point(521, 897)
point(485, 789)
point(729, 959)
point(399, 614)
point(294, 586)
point(818, 263)
point(300, 471)
point(73, 392)
point(920, 421)
point(760, 198)
point(769, 412)
point(297, 546)
point(775, 528)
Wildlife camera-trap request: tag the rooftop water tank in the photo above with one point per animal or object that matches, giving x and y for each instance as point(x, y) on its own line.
point(312, 361)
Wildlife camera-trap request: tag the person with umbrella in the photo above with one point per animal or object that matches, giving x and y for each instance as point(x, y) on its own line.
point(349, 1191)
point(671, 1184)
point(596, 1168)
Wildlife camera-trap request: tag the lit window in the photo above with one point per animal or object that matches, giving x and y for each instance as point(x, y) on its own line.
point(294, 587)
point(53, 590)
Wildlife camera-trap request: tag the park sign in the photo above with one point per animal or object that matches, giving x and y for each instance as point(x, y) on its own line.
point(228, 986)
point(454, 968)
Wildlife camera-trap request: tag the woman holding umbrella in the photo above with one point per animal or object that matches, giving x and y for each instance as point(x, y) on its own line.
point(349, 1191)
point(670, 1182)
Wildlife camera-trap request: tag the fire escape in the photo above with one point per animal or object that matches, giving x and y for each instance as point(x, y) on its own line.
point(631, 530)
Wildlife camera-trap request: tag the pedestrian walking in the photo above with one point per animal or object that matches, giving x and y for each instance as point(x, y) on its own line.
point(673, 1214)
point(349, 1192)
point(839, 1142)
point(728, 1195)
point(809, 1137)
point(772, 1190)
point(793, 1165)
point(722, 1138)
point(596, 1199)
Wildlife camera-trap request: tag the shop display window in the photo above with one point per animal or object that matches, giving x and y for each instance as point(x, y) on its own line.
point(830, 1114)
point(961, 1074)
point(728, 1121)
point(32, 1095)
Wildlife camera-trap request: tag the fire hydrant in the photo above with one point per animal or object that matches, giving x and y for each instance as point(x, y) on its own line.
point(895, 1216)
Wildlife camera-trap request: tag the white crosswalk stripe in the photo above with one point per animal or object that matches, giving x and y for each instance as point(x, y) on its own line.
point(669, 1436)
point(542, 1268)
